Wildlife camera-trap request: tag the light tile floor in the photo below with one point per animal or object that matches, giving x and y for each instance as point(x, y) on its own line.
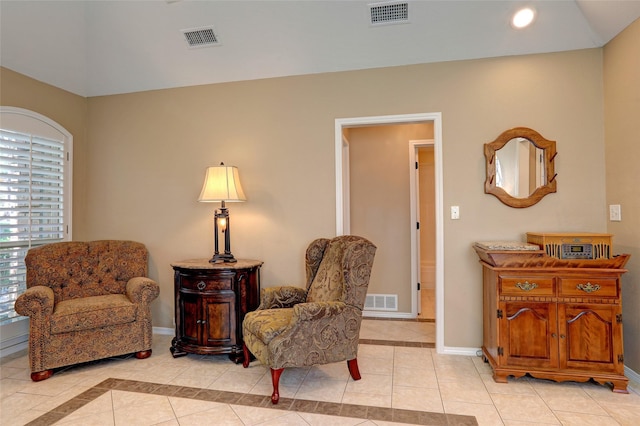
point(398, 379)
point(404, 331)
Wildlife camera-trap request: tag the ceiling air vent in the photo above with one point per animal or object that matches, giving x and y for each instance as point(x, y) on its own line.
point(389, 13)
point(201, 37)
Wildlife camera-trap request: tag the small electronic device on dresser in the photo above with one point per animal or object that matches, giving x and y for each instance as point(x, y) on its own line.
point(584, 245)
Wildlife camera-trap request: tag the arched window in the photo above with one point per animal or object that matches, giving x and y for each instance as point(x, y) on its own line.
point(35, 195)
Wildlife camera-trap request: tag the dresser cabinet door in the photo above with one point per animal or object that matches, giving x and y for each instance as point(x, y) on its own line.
point(590, 337)
point(528, 331)
point(220, 319)
point(190, 315)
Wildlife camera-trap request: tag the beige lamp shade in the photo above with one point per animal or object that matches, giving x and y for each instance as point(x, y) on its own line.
point(221, 183)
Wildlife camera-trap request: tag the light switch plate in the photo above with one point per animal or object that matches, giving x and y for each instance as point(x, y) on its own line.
point(455, 212)
point(615, 213)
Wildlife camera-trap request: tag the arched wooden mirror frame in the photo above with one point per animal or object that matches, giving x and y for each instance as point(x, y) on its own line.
point(549, 149)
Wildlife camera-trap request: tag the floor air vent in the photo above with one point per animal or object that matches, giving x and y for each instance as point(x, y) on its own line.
point(381, 302)
point(389, 13)
point(201, 37)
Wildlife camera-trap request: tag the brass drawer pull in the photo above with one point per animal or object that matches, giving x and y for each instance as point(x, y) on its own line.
point(526, 286)
point(201, 285)
point(588, 287)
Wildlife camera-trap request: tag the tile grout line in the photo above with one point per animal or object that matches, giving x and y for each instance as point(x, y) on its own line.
point(113, 408)
point(493, 401)
point(262, 401)
point(317, 407)
point(546, 404)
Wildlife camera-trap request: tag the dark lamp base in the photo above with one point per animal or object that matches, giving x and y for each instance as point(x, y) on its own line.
point(223, 258)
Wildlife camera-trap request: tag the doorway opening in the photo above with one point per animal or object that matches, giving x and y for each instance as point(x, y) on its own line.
point(422, 185)
point(376, 197)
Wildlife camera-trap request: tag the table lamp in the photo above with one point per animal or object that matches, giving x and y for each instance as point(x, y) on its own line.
point(222, 183)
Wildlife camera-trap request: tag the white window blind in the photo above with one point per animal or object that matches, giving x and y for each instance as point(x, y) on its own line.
point(32, 206)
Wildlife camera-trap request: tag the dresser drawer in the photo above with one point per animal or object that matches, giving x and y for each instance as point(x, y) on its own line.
point(526, 286)
point(206, 284)
point(589, 287)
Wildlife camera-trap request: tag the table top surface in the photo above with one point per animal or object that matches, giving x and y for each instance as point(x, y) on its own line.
point(205, 264)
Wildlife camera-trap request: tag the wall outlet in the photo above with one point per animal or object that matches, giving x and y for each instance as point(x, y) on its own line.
point(615, 214)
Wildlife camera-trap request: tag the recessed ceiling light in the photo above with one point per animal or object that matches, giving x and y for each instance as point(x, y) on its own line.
point(523, 17)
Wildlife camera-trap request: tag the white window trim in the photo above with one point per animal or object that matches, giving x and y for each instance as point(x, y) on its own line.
point(26, 119)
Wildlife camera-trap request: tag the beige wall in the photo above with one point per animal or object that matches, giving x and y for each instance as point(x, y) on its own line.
point(148, 152)
point(622, 154)
point(379, 178)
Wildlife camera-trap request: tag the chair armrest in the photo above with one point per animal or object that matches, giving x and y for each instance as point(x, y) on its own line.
point(142, 290)
point(281, 297)
point(315, 311)
point(36, 301)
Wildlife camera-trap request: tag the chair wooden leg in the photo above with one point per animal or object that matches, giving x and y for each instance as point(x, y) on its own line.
point(143, 354)
point(41, 375)
point(353, 369)
point(275, 379)
point(247, 355)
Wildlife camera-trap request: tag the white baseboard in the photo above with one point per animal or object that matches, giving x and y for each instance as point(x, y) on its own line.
point(13, 345)
point(451, 350)
point(165, 331)
point(379, 314)
point(632, 376)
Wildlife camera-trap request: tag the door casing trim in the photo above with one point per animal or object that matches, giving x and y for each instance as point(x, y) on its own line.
point(342, 220)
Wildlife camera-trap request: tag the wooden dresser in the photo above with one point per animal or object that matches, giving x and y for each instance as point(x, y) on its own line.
point(552, 318)
point(211, 300)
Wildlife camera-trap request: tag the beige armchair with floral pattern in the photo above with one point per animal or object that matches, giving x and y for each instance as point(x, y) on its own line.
point(86, 301)
point(320, 324)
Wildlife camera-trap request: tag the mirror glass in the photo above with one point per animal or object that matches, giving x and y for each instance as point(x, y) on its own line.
point(520, 167)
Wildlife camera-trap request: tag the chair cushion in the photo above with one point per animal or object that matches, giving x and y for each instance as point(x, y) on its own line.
point(328, 284)
point(85, 313)
point(268, 323)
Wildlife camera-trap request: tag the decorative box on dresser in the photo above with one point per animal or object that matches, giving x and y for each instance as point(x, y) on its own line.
point(211, 300)
point(552, 318)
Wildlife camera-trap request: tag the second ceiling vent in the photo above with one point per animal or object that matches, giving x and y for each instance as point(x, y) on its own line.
point(394, 12)
point(201, 37)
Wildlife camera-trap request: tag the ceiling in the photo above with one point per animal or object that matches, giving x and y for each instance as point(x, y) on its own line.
point(95, 47)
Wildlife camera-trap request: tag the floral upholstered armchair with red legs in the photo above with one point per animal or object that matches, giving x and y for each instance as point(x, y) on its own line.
point(86, 301)
point(319, 324)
